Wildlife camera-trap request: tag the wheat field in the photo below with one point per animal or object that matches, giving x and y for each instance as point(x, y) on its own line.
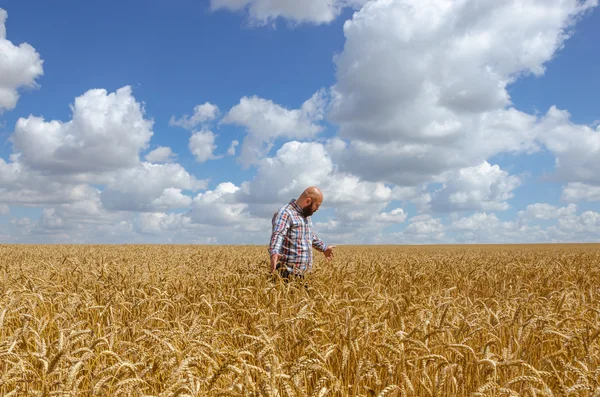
point(376, 321)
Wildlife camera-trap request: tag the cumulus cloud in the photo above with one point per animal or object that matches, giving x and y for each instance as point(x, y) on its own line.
point(20, 66)
point(360, 225)
point(564, 225)
point(428, 104)
point(486, 227)
point(232, 148)
point(544, 211)
point(262, 12)
point(151, 188)
point(50, 220)
point(484, 187)
point(88, 210)
point(202, 114)
point(106, 133)
point(56, 163)
point(483, 227)
point(477, 221)
point(202, 145)
point(576, 147)
point(578, 191)
point(219, 207)
point(359, 207)
point(22, 186)
point(295, 166)
point(51, 229)
point(158, 223)
point(161, 154)
point(572, 227)
point(265, 121)
point(87, 174)
point(425, 225)
point(432, 96)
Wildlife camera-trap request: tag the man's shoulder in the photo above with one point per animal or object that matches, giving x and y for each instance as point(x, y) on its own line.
point(283, 210)
point(288, 211)
point(288, 207)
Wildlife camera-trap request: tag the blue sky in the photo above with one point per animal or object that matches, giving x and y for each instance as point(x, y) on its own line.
point(380, 79)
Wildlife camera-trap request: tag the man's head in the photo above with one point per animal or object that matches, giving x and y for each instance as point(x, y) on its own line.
point(310, 200)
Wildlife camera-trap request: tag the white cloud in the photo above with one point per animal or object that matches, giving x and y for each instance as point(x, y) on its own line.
point(161, 154)
point(159, 223)
point(232, 147)
point(265, 121)
point(88, 210)
point(202, 145)
point(20, 66)
point(50, 220)
point(567, 226)
point(359, 207)
point(432, 96)
point(408, 193)
point(150, 187)
point(576, 147)
point(22, 186)
point(359, 224)
point(544, 211)
point(171, 198)
point(219, 207)
point(81, 220)
point(295, 166)
point(202, 114)
point(425, 226)
point(54, 164)
point(482, 227)
point(396, 215)
point(427, 104)
point(583, 228)
point(421, 229)
point(107, 133)
point(484, 187)
point(262, 12)
point(344, 189)
point(577, 191)
point(477, 221)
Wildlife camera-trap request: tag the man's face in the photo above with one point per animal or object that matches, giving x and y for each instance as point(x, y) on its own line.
point(311, 207)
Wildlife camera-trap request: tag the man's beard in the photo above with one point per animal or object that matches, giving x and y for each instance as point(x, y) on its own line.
point(307, 211)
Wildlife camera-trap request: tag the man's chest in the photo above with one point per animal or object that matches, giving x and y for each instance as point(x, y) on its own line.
point(301, 227)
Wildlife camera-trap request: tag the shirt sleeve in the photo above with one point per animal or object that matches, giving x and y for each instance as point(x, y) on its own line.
point(281, 225)
point(318, 244)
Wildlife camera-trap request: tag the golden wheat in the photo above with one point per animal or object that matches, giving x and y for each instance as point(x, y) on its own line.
point(377, 321)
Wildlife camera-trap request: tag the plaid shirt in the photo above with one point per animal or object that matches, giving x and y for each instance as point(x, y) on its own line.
point(293, 238)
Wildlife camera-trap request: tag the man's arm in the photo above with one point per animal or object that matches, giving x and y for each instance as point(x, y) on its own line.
point(318, 243)
point(321, 246)
point(281, 225)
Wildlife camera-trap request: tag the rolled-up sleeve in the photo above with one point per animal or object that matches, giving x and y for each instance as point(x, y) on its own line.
point(318, 244)
point(281, 225)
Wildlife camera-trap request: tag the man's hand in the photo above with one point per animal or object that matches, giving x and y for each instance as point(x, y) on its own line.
point(274, 260)
point(329, 252)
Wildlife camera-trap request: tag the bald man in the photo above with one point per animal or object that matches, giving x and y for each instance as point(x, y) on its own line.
point(293, 238)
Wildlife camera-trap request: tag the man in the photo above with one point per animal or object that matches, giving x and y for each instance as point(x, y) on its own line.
point(293, 238)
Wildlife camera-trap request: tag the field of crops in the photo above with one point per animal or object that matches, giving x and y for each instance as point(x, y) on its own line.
point(209, 321)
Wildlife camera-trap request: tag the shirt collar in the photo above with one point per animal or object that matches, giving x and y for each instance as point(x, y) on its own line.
point(295, 206)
